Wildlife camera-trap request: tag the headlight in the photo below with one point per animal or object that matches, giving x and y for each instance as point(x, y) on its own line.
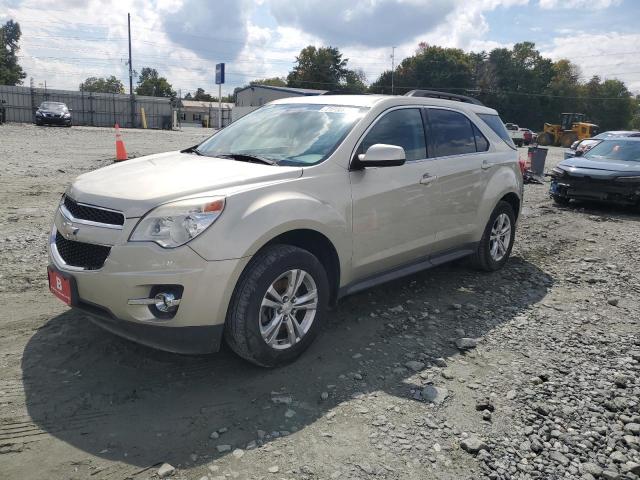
point(38, 113)
point(174, 224)
point(557, 172)
point(66, 115)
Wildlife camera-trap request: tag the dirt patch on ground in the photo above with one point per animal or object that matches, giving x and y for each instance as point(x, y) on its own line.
point(546, 386)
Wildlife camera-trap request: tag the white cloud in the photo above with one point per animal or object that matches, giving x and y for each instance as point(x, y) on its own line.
point(610, 55)
point(572, 4)
point(183, 39)
point(362, 22)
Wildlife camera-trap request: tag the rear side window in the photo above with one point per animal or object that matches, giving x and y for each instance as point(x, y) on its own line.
point(452, 133)
point(402, 128)
point(482, 144)
point(495, 123)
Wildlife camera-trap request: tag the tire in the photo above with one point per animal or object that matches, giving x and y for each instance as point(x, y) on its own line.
point(562, 201)
point(568, 139)
point(247, 327)
point(483, 259)
point(545, 139)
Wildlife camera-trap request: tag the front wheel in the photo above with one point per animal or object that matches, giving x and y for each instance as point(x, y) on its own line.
point(545, 139)
point(278, 306)
point(494, 248)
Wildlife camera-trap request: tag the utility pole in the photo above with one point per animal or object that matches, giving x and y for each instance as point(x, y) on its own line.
point(393, 67)
point(132, 98)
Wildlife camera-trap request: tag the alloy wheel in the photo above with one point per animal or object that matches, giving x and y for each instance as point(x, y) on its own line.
point(288, 309)
point(500, 238)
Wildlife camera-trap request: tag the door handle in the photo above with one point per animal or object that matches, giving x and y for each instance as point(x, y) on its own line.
point(486, 165)
point(427, 179)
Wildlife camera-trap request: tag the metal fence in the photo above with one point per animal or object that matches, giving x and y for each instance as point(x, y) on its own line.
point(87, 108)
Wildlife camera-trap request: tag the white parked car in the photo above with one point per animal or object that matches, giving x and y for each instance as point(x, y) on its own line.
point(251, 235)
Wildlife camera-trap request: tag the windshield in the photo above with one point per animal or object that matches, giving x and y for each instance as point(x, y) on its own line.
point(615, 150)
point(288, 134)
point(53, 106)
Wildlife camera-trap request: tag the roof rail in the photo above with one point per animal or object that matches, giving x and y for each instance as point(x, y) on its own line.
point(443, 95)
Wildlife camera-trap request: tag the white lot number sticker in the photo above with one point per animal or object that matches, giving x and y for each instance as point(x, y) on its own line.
point(338, 109)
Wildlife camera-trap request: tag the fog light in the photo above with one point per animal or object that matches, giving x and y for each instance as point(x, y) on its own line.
point(164, 302)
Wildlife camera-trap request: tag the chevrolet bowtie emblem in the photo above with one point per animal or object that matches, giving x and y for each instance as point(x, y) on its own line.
point(68, 230)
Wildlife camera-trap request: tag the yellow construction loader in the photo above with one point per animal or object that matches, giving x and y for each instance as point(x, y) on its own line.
point(572, 127)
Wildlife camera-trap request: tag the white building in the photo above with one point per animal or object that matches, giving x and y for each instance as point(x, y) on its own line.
point(196, 113)
point(254, 96)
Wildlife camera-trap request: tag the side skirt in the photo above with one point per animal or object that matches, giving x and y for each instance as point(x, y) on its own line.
point(423, 263)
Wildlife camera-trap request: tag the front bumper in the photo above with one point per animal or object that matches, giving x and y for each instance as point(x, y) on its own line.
point(132, 271)
point(587, 188)
point(53, 120)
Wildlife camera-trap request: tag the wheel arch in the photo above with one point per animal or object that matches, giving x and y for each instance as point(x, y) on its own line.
point(514, 200)
point(320, 246)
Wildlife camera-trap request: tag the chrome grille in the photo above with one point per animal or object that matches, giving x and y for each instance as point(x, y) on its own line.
point(92, 214)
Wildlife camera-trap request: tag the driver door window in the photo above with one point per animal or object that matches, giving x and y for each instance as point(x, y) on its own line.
point(402, 128)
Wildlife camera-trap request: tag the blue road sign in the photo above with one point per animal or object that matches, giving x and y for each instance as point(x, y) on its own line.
point(219, 73)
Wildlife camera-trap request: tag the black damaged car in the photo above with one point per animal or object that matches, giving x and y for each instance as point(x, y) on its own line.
point(53, 113)
point(609, 172)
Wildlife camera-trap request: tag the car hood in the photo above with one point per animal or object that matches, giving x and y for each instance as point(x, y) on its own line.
point(136, 186)
point(604, 168)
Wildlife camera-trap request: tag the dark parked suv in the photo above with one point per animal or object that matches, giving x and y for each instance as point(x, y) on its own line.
point(53, 113)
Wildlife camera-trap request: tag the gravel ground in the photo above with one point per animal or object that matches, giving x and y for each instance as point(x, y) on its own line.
point(528, 373)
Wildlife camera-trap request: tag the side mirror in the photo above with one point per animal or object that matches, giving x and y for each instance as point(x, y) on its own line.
point(579, 153)
point(381, 155)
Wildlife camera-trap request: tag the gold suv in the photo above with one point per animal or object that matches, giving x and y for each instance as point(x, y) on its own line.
point(251, 235)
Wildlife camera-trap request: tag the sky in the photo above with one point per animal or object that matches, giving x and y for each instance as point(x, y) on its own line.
point(66, 41)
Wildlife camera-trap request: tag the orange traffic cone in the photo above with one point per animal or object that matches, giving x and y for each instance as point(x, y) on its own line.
point(121, 151)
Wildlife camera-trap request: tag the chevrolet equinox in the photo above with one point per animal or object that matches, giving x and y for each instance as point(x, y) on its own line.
point(253, 234)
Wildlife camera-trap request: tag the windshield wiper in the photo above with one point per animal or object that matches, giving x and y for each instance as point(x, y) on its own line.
point(193, 149)
point(244, 157)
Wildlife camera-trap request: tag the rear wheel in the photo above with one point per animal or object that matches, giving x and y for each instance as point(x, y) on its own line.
point(494, 248)
point(278, 306)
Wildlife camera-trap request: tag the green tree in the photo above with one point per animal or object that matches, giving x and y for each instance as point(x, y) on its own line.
point(355, 81)
point(323, 68)
point(608, 104)
point(431, 67)
point(11, 72)
point(273, 82)
point(202, 96)
point(635, 120)
point(516, 80)
point(153, 85)
point(102, 85)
